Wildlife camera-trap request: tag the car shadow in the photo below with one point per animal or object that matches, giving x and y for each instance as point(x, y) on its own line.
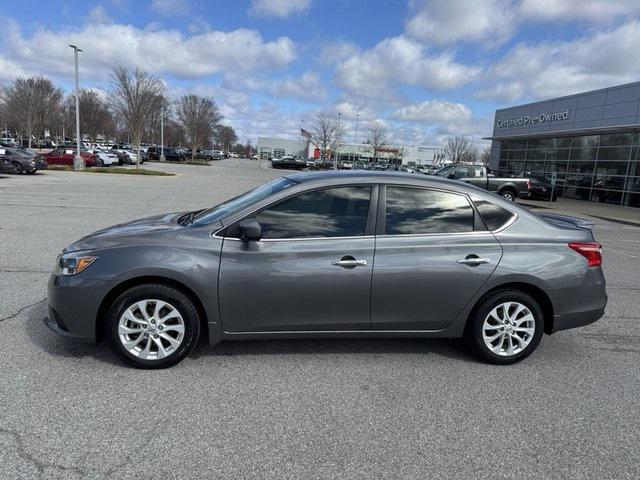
point(58, 346)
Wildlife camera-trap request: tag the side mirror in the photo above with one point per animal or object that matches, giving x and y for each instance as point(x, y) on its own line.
point(250, 229)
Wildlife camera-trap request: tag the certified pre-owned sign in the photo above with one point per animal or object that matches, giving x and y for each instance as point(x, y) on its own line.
point(533, 119)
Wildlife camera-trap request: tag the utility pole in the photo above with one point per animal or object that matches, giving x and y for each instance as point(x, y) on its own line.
point(78, 162)
point(162, 157)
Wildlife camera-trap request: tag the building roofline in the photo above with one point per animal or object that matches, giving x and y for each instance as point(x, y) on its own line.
point(588, 92)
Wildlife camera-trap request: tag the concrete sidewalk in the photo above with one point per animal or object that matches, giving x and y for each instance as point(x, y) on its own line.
point(578, 208)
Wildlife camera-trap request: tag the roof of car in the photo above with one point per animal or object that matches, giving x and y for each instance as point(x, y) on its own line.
point(379, 176)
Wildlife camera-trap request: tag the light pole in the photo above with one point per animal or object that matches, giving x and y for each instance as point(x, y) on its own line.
point(162, 157)
point(78, 162)
point(338, 133)
point(355, 134)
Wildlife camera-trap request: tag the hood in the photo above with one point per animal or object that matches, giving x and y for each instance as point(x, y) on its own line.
point(143, 231)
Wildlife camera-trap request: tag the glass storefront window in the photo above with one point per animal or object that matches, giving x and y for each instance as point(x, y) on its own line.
point(599, 168)
point(614, 153)
point(584, 153)
point(585, 141)
point(617, 139)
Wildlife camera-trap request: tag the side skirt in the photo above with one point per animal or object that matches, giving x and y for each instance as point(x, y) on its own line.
point(338, 334)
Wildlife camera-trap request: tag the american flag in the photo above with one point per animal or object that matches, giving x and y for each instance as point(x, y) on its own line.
point(304, 133)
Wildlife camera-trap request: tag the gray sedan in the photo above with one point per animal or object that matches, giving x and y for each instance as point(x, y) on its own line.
point(332, 254)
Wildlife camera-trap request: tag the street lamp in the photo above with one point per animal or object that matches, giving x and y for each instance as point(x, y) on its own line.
point(78, 162)
point(162, 157)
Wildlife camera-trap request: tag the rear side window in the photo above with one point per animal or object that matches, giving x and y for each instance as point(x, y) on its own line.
point(333, 212)
point(494, 216)
point(411, 211)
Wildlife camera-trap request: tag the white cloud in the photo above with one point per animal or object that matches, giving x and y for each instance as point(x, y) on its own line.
point(448, 21)
point(432, 111)
point(170, 7)
point(564, 10)
point(306, 87)
point(399, 60)
point(158, 51)
point(551, 69)
point(98, 15)
point(334, 52)
point(279, 8)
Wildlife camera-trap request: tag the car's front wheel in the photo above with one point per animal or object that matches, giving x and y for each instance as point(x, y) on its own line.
point(153, 326)
point(506, 327)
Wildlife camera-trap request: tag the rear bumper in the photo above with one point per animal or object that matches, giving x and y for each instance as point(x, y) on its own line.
point(575, 320)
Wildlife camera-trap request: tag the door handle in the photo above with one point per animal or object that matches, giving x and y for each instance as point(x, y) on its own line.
point(349, 262)
point(473, 261)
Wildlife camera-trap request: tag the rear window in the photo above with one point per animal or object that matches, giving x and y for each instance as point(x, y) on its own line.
point(493, 216)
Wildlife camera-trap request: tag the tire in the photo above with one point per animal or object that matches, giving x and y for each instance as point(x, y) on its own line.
point(17, 168)
point(477, 327)
point(509, 194)
point(175, 301)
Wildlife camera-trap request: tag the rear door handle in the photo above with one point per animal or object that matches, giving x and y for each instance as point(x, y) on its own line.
point(349, 262)
point(473, 261)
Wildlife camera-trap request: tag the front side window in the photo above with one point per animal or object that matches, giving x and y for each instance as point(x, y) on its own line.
point(333, 212)
point(420, 211)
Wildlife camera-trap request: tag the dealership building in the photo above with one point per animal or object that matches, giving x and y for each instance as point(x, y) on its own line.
point(350, 152)
point(588, 142)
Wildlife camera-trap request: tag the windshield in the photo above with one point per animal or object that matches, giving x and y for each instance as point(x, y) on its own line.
point(238, 203)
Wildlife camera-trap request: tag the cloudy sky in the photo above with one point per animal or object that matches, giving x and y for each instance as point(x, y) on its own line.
point(427, 69)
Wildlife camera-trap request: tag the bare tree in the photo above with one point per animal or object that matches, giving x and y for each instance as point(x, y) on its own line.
point(326, 133)
point(95, 117)
point(485, 156)
point(459, 149)
point(198, 117)
point(133, 97)
point(377, 137)
point(31, 104)
point(226, 136)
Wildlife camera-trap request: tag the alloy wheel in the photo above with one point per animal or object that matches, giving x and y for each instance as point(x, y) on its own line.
point(508, 329)
point(151, 329)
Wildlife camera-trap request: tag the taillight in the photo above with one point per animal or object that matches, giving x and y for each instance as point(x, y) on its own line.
point(528, 184)
point(592, 251)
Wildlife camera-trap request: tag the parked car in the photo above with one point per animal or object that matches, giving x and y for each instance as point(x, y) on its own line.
point(289, 161)
point(509, 188)
point(175, 155)
point(22, 160)
point(65, 156)
point(254, 157)
point(398, 256)
point(5, 162)
point(154, 153)
point(126, 155)
point(106, 158)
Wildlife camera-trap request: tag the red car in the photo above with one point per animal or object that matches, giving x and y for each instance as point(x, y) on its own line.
point(64, 156)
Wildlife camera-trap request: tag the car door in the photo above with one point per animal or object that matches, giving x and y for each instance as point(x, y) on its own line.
point(432, 255)
point(311, 270)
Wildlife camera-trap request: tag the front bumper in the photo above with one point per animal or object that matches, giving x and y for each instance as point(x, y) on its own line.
point(73, 303)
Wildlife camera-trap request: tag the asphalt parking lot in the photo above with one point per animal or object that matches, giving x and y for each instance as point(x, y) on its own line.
point(295, 409)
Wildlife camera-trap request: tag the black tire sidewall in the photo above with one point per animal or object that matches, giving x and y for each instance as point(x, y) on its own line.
point(160, 292)
point(473, 334)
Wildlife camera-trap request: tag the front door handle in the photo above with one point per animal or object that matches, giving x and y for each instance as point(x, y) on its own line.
point(473, 260)
point(349, 262)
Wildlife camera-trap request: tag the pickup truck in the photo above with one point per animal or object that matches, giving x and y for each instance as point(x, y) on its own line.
point(509, 188)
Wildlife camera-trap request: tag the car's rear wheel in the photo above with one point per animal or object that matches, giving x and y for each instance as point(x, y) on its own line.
point(506, 327)
point(508, 194)
point(153, 326)
point(17, 168)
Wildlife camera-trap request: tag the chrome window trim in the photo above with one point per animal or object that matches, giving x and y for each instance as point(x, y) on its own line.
point(299, 239)
point(508, 223)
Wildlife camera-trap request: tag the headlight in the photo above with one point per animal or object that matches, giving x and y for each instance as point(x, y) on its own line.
point(73, 263)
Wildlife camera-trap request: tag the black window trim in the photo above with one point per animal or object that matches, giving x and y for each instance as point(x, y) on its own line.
point(382, 213)
point(369, 228)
